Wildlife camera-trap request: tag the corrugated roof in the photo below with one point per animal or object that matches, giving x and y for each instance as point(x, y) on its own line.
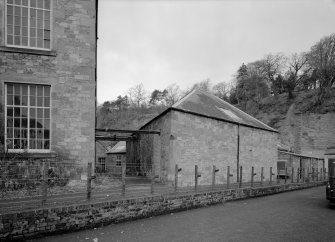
point(206, 104)
point(119, 148)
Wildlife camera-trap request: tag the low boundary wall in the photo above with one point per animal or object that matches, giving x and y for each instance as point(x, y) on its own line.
point(47, 221)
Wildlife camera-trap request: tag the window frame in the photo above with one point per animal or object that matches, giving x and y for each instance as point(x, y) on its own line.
point(29, 47)
point(118, 160)
point(102, 167)
point(28, 107)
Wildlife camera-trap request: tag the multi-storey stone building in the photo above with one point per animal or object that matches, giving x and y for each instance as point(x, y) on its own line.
point(203, 130)
point(48, 77)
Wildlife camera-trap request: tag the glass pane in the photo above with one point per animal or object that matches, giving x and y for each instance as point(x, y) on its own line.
point(24, 89)
point(24, 123)
point(46, 144)
point(39, 101)
point(17, 100)
point(10, 132)
point(47, 25)
point(17, 112)
point(47, 113)
point(17, 122)
point(47, 4)
point(17, 144)
point(9, 112)
point(17, 40)
point(33, 13)
point(32, 144)
point(17, 11)
point(24, 12)
point(17, 30)
point(40, 14)
point(40, 24)
point(33, 42)
point(46, 15)
point(9, 19)
point(32, 133)
point(24, 133)
point(10, 143)
point(47, 44)
point(33, 112)
point(25, 32)
point(46, 34)
point(39, 123)
point(46, 134)
point(39, 144)
point(40, 91)
point(24, 101)
point(32, 32)
point(10, 89)
point(33, 3)
point(40, 113)
point(17, 89)
point(10, 99)
point(10, 122)
point(17, 2)
point(24, 144)
point(47, 102)
point(33, 22)
point(25, 41)
point(47, 123)
point(9, 39)
point(25, 2)
point(24, 112)
point(10, 10)
point(16, 133)
point(32, 123)
point(25, 22)
point(40, 43)
point(39, 133)
point(47, 91)
point(40, 3)
point(32, 101)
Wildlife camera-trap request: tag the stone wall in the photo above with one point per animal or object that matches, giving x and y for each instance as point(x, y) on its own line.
point(70, 70)
point(48, 221)
point(206, 142)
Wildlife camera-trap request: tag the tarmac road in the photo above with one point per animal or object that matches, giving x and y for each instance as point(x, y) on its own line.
point(302, 215)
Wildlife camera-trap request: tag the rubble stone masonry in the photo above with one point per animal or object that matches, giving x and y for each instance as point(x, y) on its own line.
point(69, 68)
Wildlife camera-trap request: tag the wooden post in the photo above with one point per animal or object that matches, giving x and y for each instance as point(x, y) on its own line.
point(262, 175)
point(89, 179)
point(292, 175)
point(285, 175)
point(196, 178)
point(271, 174)
point(278, 180)
point(213, 176)
point(303, 174)
point(175, 178)
point(241, 177)
point(152, 179)
point(44, 183)
point(308, 174)
point(252, 176)
point(298, 175)
point(313, 174)
point(123, 178)
point(228, 176)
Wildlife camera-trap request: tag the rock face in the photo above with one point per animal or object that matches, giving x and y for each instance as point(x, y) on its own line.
point(306, 128)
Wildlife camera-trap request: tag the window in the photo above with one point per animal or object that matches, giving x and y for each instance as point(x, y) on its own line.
point(27, 117)
point(28, 24)
point(118, 160)
point(102, 163)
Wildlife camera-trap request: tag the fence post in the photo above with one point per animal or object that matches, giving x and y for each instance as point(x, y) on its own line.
point(278, 180)
point(44, 183)
point(228, 176)
point(285, 175)
point(152, 179)
point(303, 174)
point(308, 174)
point(196, 176)
point(271, 174)
point(321, 174)
point(252, 176)
point(213, 176)
point(292, 176)
point(241, 176)
point(89, 179)
point(325, 174)
point(262, 175)
point(176, 171)
point(123, 178)
point(298, 175)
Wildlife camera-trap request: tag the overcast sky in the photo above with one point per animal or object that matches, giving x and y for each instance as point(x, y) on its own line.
point(159, 42)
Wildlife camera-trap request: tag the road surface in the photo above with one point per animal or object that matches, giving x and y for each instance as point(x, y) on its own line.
point(293, 216)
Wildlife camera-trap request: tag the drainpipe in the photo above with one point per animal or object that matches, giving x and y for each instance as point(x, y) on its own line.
point(238, 154)
point(95, 80)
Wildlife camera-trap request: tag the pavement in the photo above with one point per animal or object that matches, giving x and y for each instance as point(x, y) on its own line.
point(303, 215)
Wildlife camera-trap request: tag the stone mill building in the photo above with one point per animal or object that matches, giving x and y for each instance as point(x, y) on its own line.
point(48, 77)
point(203, 130)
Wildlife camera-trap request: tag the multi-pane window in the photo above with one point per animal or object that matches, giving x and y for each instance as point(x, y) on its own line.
point(28, 24)
point(102, 163)
point(118, 160)
point(27, 117)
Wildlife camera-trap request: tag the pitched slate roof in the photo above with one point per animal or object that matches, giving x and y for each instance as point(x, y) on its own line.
point(119, 148)
point(204, 104)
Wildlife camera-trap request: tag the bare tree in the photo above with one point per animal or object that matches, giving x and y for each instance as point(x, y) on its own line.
point(221, 90)
point(322, 59)
point(173, 94)
point(137, 95)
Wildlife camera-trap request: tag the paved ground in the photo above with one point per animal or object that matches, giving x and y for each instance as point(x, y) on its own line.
point(294, 216)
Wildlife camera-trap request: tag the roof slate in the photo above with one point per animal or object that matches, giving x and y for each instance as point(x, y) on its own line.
point(203, 103)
